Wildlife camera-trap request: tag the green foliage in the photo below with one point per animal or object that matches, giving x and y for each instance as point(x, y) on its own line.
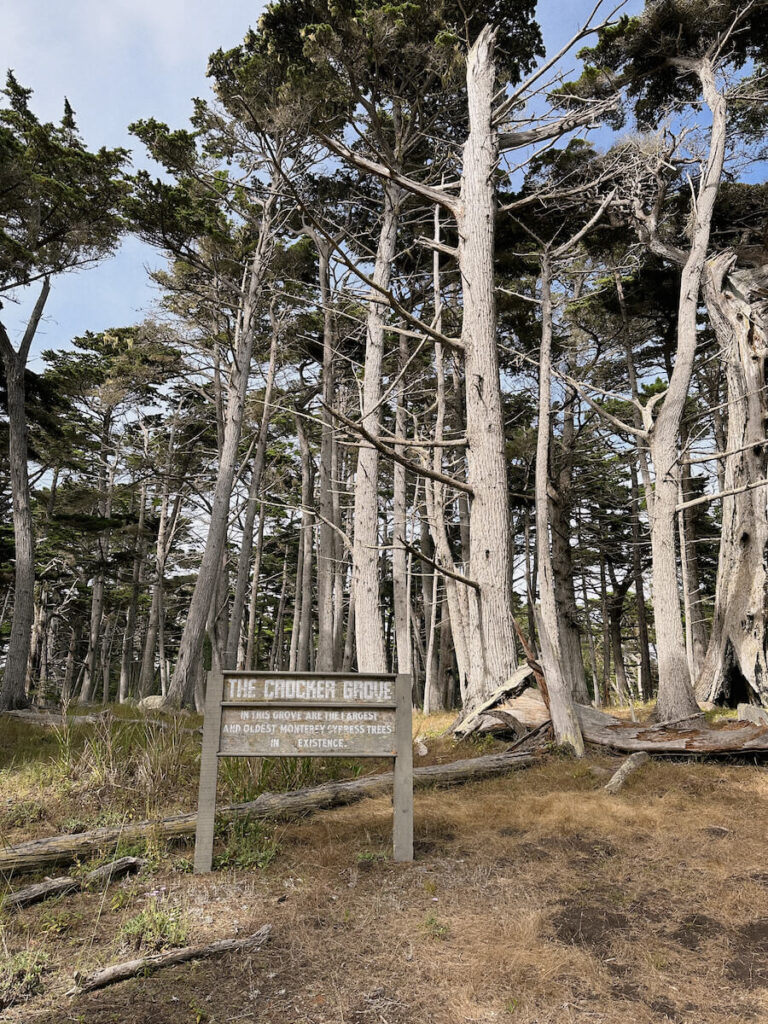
point(58, 921)
point(22, 813)
point(59, 203)
point(153, 929)
point(21, 977)
point(249, 843)
point(652, 55)
point(435, 928)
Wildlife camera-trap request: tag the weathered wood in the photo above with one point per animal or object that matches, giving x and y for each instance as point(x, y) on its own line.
point(513, 687)
point(209, 767)
point(307, 732)
point(402, 784)
point(64, 886)
point(115, 869)
point(752, 713)
point(39, 892)
point(149, 964)
point(633, 762)
point(691, 735)
point(46, 719)
point(62, 849)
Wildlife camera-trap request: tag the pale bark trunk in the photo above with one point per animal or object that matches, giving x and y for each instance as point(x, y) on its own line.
point(491, 629)
point(676, 697)
point(736, 665)
point(597, 701)
point(564, 721)
point(182, 684)
point(140, 548)
point(276, 654)
point(400, 593)
point(697, 634)
point(371, 655)
point(246, 545)
point(327, 649)
point(246, 658)
point(646, 682)
point(12, 691)
point(304, 647)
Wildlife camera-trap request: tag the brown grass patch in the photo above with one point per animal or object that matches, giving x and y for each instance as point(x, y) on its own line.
point(534, 898)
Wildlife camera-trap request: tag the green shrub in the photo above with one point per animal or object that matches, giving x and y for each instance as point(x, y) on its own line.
point(249, 844)
point(154, 928)
point(21, 977)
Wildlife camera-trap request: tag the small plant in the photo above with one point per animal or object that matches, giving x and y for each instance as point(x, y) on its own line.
point(121, 899)
point(435, 928)
point(58, 922)
point(249, 844)
point(512, 1006)
point(154, 928)
point(21, 977)
point(370, 856)
point(430, 886)
point(22, 813)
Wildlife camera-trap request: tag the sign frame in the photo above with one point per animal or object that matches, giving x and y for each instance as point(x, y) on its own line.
point(402, 754)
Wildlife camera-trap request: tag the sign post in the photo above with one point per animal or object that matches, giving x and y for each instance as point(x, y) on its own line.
point(288, 714)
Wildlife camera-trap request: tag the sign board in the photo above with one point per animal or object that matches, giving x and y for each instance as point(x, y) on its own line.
point(284, 714)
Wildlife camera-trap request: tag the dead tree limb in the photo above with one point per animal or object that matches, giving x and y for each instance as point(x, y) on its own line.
point(62, 849)
point(633, 762)
point(149, 964)
point(64, 886)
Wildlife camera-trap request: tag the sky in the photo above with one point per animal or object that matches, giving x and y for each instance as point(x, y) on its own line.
point(119, 61)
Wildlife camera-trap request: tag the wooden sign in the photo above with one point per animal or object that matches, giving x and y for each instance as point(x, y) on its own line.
point(283, 714)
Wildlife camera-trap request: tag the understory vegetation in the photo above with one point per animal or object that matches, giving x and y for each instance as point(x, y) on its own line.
point(530, 896)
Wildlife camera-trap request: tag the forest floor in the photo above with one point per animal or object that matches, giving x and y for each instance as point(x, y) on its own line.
point(534, 897)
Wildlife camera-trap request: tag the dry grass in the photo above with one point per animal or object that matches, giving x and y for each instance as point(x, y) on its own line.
point(534, 898)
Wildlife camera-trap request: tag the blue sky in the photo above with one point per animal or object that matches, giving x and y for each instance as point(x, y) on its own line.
point(118, 61)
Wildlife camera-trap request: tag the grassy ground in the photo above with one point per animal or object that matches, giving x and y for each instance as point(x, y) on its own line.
point(534, 898)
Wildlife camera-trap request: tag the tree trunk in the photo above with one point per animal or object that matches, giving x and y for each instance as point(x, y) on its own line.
point(247, 658)
point(246, 544)
point(327, 649)
point(646, 682)
point(127, 654)
point(182, 685)
point(371, 655)
point(491, 629)
point(304, 647)
point(12, 691)
point(400, 594)
point(564, 720)
point(676, 697)
point(736, 666)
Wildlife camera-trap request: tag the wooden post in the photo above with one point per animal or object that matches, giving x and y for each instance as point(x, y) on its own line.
point(402, 831)
point(209, 770)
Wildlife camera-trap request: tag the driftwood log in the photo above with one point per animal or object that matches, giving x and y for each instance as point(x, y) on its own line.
point(50, 887)
point(149, 964)
point(688, 736)
point(633, 762)
point(38, 853)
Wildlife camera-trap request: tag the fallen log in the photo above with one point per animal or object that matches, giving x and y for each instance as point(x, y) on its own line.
point(689, 736)
point(38, 853)
point(633, 762)
point(50, 720)
point(514, 686)
point(37, 893)
point(752, 713)
point(149, 964)
point(50, 887)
